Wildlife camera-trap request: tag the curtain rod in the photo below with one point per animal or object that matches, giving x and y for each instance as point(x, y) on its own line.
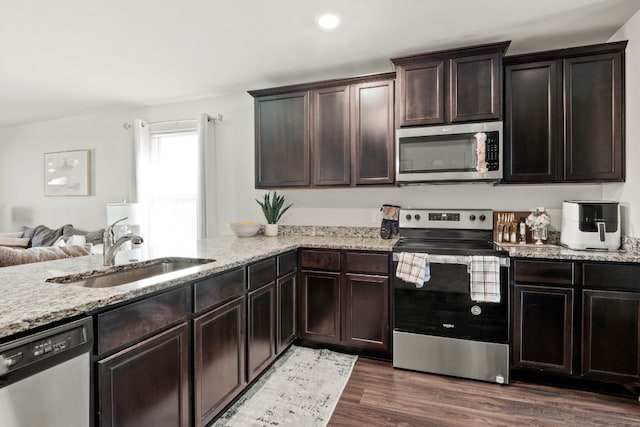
point(218, 118)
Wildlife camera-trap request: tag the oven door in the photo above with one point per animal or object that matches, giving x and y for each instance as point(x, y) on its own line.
point(443, 306)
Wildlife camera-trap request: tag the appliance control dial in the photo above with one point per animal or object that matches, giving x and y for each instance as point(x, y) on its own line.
point(408, 217)
point(416, 217)
point(482, 217)
point(472, 217)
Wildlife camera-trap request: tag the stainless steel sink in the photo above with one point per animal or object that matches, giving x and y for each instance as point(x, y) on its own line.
point(135, 272)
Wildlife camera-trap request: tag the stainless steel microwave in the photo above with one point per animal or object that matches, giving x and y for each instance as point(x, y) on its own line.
point(464, 152)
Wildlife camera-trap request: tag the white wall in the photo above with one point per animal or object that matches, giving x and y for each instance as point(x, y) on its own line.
point(21, 178)
point(627, 193)
point(22, 200)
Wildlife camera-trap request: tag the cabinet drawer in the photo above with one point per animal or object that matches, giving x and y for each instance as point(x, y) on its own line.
point(548, 272)
point(261, 273)
point(611, 276)
point(363, 262)
point(322, 260)
point(129, 323)
point(287, 263)
point(217, 289)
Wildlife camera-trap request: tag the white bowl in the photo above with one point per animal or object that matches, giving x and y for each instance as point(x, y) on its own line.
point(244, 228)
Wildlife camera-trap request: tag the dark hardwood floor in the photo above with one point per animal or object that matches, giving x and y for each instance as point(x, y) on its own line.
point(379, 395)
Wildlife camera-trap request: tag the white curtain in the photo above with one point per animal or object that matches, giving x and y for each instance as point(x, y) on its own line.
point(140, 173)
point(207, 198)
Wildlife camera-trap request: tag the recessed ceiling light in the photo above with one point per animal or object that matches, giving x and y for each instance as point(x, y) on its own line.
point(328, 21)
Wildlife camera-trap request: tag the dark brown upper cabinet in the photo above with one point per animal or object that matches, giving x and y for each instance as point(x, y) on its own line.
point(372, 133)
point(450, 86)
point(282, 140)
point(533, 98)
point(564, 115)
point(339, 132)
point(330, 136)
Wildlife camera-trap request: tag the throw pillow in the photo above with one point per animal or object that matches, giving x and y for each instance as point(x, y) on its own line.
point(12, 234)
point(93, 237)
point(45, 236)
point(15, 242)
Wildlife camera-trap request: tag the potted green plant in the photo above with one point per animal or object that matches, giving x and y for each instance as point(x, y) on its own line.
point(272, 207)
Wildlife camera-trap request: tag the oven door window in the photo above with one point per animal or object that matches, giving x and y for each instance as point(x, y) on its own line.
point(442, 153)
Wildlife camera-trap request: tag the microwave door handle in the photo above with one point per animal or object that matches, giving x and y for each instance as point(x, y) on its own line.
point(601, 230)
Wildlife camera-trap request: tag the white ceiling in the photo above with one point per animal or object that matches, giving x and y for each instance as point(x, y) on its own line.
point(68, 57)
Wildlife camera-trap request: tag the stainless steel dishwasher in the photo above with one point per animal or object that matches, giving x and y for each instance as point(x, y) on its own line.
point(45, 378)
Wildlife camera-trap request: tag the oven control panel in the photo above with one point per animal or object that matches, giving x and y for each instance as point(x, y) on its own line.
point(444, 216)
point(469, 219)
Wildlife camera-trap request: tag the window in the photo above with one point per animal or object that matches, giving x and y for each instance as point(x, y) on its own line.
point(172, 188)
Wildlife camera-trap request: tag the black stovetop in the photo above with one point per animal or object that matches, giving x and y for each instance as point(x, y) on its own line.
point(448, 247)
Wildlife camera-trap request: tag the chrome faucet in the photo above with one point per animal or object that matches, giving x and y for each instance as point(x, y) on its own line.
point(111, 245)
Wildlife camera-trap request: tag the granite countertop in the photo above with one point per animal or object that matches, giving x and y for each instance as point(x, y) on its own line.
point(28, 301)
point(560, 252)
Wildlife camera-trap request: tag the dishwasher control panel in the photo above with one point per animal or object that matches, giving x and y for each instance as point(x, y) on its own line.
point(23, 352)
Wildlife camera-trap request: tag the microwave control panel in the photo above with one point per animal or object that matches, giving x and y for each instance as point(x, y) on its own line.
point(492, 154)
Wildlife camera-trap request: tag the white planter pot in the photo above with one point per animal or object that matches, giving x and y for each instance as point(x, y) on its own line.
point(271, 230)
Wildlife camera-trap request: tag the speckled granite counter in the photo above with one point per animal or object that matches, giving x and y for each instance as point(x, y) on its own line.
point(27, 301)
point(560, 252)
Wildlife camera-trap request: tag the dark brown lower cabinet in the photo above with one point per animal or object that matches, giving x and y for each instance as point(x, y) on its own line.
point(261, 334)
point(219, 359)
point(147, 384)
point(577, 323)
point(319, 306)
point(346, 306)
point(611, 331)
point(366, 313)
point(286, 311)
point(542, 328)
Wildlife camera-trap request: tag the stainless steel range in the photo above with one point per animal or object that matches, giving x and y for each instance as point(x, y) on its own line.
point(457, 322)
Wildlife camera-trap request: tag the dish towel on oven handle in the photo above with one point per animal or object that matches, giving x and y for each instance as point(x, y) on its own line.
point(484, 279)
point(413, 268)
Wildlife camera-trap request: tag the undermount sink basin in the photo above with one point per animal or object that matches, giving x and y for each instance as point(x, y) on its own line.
point(134, 272)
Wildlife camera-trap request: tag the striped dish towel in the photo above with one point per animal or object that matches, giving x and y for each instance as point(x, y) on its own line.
point(484, 275)
point(413, 268)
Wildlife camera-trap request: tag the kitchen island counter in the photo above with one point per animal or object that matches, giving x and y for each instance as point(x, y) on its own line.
point(28, 301)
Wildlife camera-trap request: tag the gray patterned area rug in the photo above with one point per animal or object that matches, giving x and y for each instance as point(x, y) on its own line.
point(302, 388)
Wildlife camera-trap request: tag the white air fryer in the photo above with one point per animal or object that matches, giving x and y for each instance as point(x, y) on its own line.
point(590, 225)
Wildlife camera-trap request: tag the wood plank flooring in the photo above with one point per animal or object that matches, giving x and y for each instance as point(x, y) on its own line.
point(379, 395)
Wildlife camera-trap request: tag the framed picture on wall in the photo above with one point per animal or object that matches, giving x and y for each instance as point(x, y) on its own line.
point(66, 173)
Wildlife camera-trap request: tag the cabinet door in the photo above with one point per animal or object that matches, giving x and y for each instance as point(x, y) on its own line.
point(286, 310)
point(594, 118)
point(542, 328)
point(373, 133)
point(366, 312)
point(533, 122)
point(147, 384)
point(282, 140)
point(330, 143)
point(219, 365)
point(475, 87)
point(261, 334)
point(611, 326)
point(421, 93)
point(319, 306)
